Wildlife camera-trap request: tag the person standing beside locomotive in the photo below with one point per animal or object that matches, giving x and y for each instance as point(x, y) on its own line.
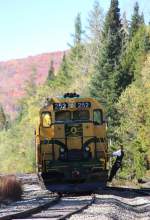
point(119, 154)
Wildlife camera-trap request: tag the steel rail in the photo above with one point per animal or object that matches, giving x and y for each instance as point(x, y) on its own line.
point(79, 210)
point(28, 212)
point(36, 213)
point(145, 191)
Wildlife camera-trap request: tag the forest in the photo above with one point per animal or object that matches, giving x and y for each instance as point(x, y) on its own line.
point(109, 60)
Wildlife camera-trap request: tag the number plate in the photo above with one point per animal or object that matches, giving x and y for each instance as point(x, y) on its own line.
point(79, 105)
point(83, 105)
point(60, 106)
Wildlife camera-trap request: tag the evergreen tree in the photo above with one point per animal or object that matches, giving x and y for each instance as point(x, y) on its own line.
point(78, 30)
point(50, 72)
point(64, 66)
point(133, 106)
point(131, 58)
point(94, 35)
point(102, 83)
point(2, 118)
point(124, 32)
point(77, 47)
point(30, 89)
point(142, 19)
point(95, 23)
point(75, 55)
point(63, 77)
point(136, 21)
point(31, 83)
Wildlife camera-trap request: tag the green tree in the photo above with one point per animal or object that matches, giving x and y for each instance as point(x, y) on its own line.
point(136, 21)
point(124, 32)
point(30, 86)
point(75, 55)
point(64, 66)
point(50, 72)
point(77, 36)
point(77, 47)
point(102, 83)
point(30, 89)
point(131, 59)
point(93, 36)
point(133, 107)
point(2, 118)
point(63, 77)
point(95, 24)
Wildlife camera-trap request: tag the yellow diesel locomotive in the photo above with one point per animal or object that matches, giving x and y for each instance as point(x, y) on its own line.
point(71, 141)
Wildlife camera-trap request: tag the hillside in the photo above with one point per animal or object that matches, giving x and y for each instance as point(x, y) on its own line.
point(15, 73)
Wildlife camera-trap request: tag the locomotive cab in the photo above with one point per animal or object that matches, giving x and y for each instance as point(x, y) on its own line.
point(71, 141)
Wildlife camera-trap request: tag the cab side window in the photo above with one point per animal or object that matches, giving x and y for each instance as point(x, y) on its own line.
point(97, 117)
point(46, 119)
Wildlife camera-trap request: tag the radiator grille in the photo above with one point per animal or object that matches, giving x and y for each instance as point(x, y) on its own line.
point(75, 154)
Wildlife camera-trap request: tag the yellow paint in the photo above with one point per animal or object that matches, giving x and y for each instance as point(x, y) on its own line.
point(48, 130)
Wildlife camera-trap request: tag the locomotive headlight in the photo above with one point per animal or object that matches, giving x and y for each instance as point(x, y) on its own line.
point(62, 150)
point(87, 148)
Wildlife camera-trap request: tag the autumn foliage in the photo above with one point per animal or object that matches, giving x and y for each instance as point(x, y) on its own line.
point(15, 73)
point(110, 62)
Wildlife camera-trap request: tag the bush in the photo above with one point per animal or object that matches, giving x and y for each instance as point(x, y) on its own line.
point(10, 188)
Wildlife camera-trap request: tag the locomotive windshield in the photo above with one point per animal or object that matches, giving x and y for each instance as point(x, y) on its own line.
point(62, 116)
point(81, 115)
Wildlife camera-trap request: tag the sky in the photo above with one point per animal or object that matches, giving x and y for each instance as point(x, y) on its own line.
point(31, 27)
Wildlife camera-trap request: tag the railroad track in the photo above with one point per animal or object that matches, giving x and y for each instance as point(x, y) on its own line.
point(38, 202)
point(33, 200)
point(111, 201)
point(144, 192)
point(118, 203)
point(65, 207)
point(108, 203)
point(29, 211)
